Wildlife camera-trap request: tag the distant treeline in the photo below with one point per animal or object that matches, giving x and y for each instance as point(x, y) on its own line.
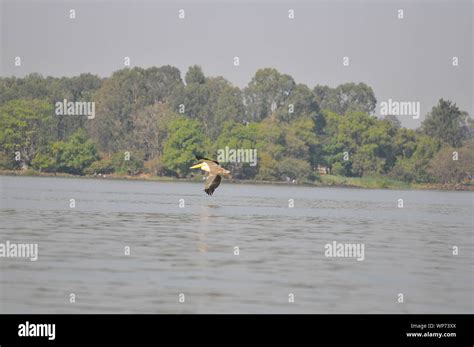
point(151, 121)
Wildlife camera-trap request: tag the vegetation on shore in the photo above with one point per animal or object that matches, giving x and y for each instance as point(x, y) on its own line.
point(150, 123)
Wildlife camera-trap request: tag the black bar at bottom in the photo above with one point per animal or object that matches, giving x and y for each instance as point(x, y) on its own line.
point(69, 330)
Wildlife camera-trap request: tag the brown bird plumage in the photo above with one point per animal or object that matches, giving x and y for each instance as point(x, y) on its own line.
point(215, 172)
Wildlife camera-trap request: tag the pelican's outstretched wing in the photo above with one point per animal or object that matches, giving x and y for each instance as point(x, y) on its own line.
point(212, 183)
point(198, 157)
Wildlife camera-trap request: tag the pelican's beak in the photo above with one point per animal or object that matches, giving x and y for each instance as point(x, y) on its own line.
point(197, 166)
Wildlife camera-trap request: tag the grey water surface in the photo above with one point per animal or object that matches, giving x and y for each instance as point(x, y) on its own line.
point(190, 249)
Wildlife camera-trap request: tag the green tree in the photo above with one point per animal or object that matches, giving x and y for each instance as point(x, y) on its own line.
point(150, 130)
point(161, 84)
point(126, 163)
point(414, 167)
point(185, 141)
point(101, 166)
point(32, 86)
point(404, 143)
point(267, 167)
point(238, 136)
point(80, 88)
point(295, 169)
point(451, 165)
point(226, 103)
point(48, 158)
point(366, 162)
point(300, 103)
point(447, 123)
point(366, 140)
point(75, 155)
point(347, 97)
point(195, 75)
point(25, 127)
point(123, 94)
point(302, 142)
point(52, 90)
point(393, 120)
point(270, 145)
point(212, 101)
point(119, 96)
point(267, 91)
point(322, 94)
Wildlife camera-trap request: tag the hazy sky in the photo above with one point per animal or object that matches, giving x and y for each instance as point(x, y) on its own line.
point(406, 59)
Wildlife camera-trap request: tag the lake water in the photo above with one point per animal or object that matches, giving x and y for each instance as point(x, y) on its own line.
point(190, 250)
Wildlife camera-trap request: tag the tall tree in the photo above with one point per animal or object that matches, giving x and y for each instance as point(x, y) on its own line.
point(150, 130)
point(447, 123)
point(267, 91)
point(301, 103)
point(238, 136)
point(195, 75)
point(226, 103)
point(25, 127)
point(120, 96)
point(302, 142)
point(78, 88)
point(347, 97)
point(161, 83)
point(212, 101)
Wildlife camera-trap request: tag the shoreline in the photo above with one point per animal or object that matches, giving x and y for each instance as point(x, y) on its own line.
point(327, 181)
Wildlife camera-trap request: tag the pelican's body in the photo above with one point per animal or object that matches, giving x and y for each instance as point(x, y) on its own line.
point(215, 172)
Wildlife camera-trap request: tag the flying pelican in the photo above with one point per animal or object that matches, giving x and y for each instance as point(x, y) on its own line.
point(215, 171)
